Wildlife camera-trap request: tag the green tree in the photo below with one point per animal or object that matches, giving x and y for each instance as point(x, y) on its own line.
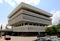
point(58, 27)
point(52, 30)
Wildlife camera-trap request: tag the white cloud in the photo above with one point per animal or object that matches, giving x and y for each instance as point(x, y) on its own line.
point(1, 1)
point(19, 1)
point(34, 2)
point(3, 25)
point(56, 17)
point(11, 2)
point(53, 11)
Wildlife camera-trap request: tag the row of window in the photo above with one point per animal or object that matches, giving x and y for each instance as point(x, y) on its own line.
point(34, 24)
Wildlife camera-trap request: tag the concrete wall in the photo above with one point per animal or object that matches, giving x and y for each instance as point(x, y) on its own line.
point(36, 19)
point(24, 15)
point(29, 28)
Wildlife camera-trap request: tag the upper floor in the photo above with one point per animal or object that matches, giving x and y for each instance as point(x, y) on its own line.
point(29, 8)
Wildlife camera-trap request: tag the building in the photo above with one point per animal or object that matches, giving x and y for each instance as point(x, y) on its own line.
point(28, 20)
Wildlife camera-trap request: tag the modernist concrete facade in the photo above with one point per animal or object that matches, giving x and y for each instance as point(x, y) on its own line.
point(27, 18)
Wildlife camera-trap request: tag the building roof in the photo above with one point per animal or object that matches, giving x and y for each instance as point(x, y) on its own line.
point(30, 7)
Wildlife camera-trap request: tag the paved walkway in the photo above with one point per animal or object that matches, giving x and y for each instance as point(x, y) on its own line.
point(2, 39)
point(19, 38)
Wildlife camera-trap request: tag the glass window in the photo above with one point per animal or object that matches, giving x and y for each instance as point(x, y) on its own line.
point(26, 23)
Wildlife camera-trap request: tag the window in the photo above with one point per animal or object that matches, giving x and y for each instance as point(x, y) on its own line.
point(26, 23)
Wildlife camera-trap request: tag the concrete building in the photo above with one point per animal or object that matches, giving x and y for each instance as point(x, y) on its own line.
point(28, 19)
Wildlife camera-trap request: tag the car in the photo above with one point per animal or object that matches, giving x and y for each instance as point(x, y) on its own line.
point(55, 39)
point(7, 37)
point(41, 39)
point(46, 39)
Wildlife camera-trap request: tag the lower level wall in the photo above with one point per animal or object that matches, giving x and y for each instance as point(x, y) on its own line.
point(29, 28)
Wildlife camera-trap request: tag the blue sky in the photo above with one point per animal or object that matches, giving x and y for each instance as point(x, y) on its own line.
point(51, 6)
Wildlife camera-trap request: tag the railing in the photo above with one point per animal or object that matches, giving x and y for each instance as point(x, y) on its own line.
point(29, 28)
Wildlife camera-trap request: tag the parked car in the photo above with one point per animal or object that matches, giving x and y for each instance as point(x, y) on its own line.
point(46, 39)
point(41, 39)
point(55, 39)
point(7, 37)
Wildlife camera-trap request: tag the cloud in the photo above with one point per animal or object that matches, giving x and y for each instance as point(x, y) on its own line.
point(19, 1)
point(14, 2)
point(34, 2)
point(56, 17)
point(1, 1)
point(53, 11)
point(3, 25)
point(11, 2)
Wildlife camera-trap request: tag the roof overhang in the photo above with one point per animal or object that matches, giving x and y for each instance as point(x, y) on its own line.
point(26, 6)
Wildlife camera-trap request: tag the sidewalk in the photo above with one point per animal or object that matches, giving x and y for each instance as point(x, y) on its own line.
point(19, 38)
point(2, 39)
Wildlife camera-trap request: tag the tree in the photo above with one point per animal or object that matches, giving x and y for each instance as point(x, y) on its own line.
point(58, 27)
point(52, 30)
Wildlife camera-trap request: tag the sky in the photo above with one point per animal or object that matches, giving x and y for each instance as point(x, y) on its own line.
point(51, 6)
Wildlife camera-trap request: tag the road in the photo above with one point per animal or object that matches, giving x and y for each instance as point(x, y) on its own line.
point(19, 38)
